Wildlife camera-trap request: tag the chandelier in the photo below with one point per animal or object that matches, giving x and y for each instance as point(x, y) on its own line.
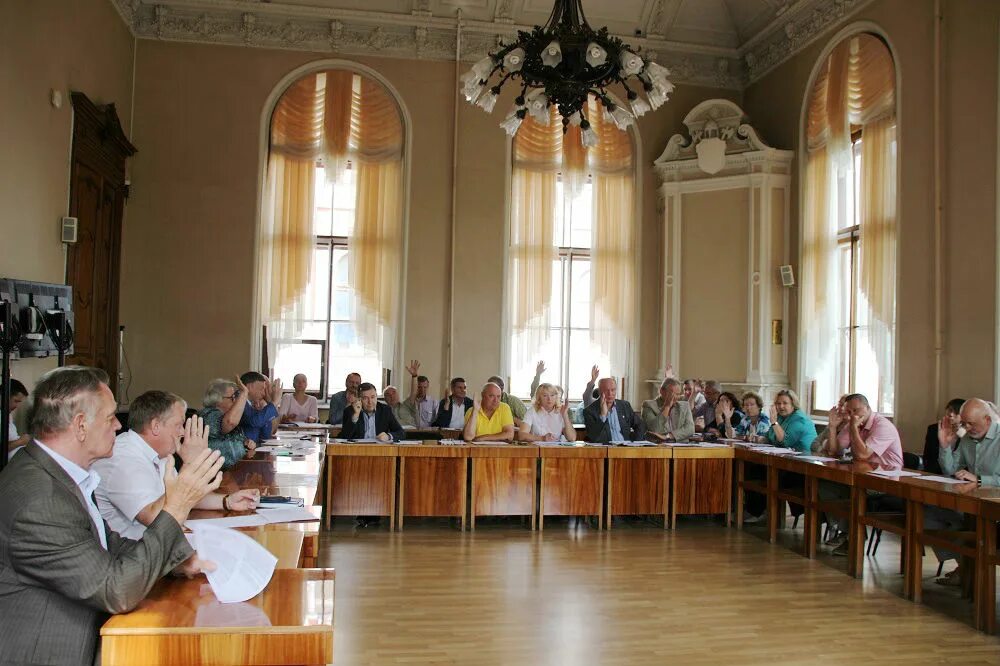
point(561, 65)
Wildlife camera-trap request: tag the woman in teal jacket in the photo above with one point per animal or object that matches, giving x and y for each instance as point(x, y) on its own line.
point(790, 427)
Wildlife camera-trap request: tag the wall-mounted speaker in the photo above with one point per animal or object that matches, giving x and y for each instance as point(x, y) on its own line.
point(787, 276)
point(69, 229)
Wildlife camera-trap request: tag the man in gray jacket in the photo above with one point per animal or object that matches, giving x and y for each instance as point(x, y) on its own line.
point(62, 571)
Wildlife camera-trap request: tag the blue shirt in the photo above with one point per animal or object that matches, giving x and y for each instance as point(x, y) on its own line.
point(369, 424)
point(256, 423)
point(614, 425)
point(746, 426)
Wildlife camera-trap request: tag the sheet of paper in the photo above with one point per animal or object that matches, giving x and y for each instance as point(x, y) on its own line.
point(642, 443)
point(942, 479)
point(243, 566)
point(409, 427)
point(893, 473)
point(287, 514)
point(817, 458)
point(251, 520)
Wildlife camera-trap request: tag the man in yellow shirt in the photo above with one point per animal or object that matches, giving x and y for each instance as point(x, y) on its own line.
point(489, 419)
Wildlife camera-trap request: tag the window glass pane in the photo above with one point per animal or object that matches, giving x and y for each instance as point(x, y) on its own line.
point(347, 355)
point(521, 376)
point(582, 217)
point(319, 287)
point(558, 287)
point(561, 234)
point(580, 286)
point(583, 354)
point(292, 358)
point(344, 196)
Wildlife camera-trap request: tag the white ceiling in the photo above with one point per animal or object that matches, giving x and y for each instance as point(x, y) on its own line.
point(724, 43)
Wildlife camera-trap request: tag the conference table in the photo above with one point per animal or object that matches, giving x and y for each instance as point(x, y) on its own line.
point(289, 622)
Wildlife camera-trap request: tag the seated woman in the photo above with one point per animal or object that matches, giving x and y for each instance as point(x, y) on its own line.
point(932, 446)
point(790, 427)
point(727, 414)
point(224, 402)
point(298, 406)
point(754, 425)
point(668, 418)
point(547, 420)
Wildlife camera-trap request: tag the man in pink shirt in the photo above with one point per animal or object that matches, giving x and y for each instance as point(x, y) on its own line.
point(870, 436)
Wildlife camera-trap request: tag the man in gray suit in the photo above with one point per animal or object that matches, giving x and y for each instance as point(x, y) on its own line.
point(609, 420)
point(61, 570)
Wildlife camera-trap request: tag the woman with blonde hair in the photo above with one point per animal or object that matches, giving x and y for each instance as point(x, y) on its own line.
point(790, 427)
point(547, 420)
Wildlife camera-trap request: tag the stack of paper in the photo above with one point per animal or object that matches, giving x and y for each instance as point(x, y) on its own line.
point(243, 566)
point(893, 473)
point(642, 443)
point(942, 479)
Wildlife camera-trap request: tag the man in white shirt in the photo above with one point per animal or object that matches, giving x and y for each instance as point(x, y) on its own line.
point(423, 406)
point(18, 394)
point(131, 492)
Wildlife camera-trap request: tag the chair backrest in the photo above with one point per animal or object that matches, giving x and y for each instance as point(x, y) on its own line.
point(912, 460)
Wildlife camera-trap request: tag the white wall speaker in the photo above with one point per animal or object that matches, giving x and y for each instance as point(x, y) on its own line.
point(787, 276)
point(69, 229)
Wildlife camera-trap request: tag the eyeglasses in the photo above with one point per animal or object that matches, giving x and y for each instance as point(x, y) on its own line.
point(235, 395)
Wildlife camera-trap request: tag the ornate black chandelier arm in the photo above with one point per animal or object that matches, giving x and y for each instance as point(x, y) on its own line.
point(567, 13)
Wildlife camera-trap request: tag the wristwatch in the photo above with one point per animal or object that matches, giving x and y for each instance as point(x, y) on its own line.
point(979, 481)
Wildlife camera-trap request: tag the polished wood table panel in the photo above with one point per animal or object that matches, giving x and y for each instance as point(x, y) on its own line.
point(639, 482)
point(572, 482)
point(432, 481)
point(361, 480)
point(702, 481)
point(989, 515)
point(181, 622)
point(504, 481)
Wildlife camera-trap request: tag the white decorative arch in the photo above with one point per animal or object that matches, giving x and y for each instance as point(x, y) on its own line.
point(263, 141)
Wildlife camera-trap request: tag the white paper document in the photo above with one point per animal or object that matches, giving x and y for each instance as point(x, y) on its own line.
point(943, 479)
point(251, 520)
point(817, 458)
point(287, 514)
point(893, 473)
point(643, 443)
point(243, 566)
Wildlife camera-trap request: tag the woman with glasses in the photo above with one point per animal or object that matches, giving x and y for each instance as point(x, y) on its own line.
point(224, 402)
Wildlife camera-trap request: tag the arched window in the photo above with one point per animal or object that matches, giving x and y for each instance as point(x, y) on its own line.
point(849, 230)
point(331, 229)
point(571, 255)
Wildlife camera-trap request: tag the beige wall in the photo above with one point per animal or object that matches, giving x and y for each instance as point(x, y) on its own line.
point(969, 159)
point(187, 289)
point(44, 46)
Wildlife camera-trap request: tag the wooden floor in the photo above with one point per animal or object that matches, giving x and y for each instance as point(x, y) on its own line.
point(702, 594)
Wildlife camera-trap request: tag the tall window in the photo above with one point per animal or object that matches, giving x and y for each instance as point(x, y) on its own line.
point(849, 229)
point(332, 230)
point(564, 201)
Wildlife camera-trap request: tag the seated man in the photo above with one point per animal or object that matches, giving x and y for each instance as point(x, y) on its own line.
point(704, 414)
point(366, 418)
point(668, 418)
point(424, 406)
point(61, 570)
point(340, 400)
point(132, 491)
point(18, 394)
point(973, 457)
point(260, 414)
point(517, 407)
point(490, 419)
point(224, 403)
point(451, 410)
point(403, 411)
point(610, 420)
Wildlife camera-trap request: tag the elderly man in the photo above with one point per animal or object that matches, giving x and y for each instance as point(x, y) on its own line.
point(132, 491)
point(454, 405)
point(260, 414)
point(517, 407)
point(402, 410)
point(62, 571)
point(224, 404)
point(973, 458)
point(610, 420)
point(490, 419)
point(704, 415)
point(423, 406)
point(668, 418)
point(341, 399)
point(871, 437)
point(366, 418)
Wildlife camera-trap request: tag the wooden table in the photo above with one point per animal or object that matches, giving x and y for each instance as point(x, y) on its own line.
point(639, 482)
point(572, 482)
point(290, 622)
point(432, 480)
point(504, 481)
point(989, 514)
point(702, 481)
point(361, 481)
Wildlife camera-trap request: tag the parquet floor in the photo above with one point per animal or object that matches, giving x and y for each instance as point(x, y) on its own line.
point(702, 594)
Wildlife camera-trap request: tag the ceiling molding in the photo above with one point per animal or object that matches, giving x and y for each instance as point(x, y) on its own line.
point(421, 35)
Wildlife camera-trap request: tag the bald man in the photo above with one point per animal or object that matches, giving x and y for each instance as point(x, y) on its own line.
point(974, 458)
point(489, 419)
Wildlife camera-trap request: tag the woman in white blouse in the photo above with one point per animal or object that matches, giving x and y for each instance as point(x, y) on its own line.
point(547, 420)
point(299, 407)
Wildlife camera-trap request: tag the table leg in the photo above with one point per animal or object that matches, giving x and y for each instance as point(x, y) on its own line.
point(916, 545)
point(809, 517)
point(541, 498)
point(666, 493)
point(988, 554)
point(606, 510)
point(401, 504)
point(772, 505)
point(465, 492)
point(978, 592)
point(328, 509)
point(856, 533)
point(740, 493)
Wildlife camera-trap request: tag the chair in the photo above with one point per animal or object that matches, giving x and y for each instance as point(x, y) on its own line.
point(910, 461)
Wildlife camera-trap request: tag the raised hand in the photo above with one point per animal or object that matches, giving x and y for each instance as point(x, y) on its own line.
point(835, 417)
point(564, 409)
point(727, 410)
point(947, 437)
point(539, 368)
point(195, 439)
point(477, 402)
point(275, 387)
point(356, 408)
point(413, 368)
point(240, 385)
point(195, 480)
point(595, 372)
point(605, 408)
point(772, 413)
point(668, 372)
